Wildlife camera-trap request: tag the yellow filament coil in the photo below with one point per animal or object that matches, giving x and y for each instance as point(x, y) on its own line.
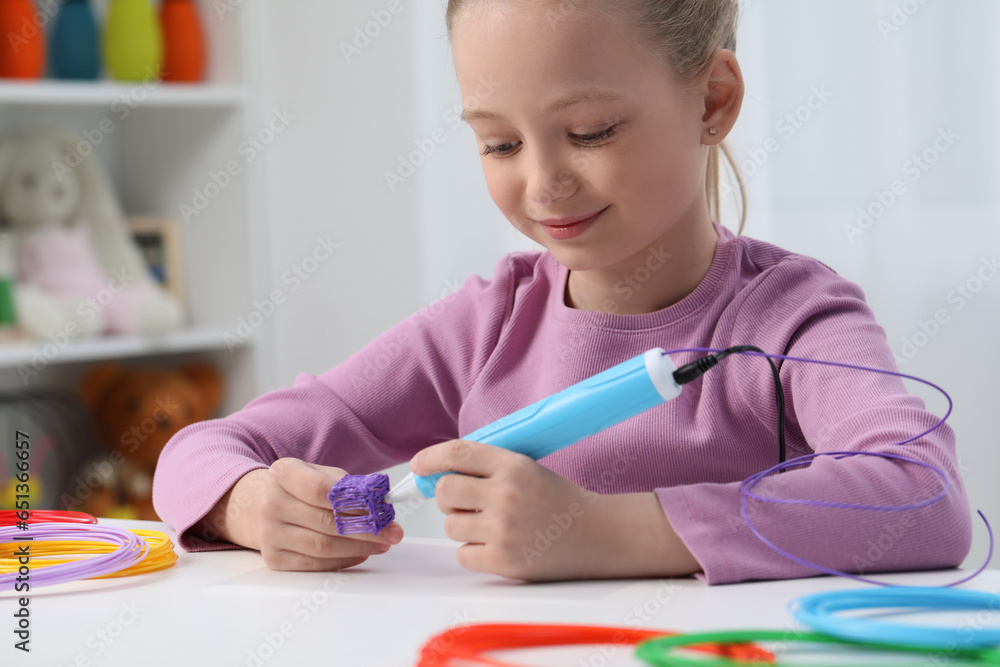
point(54, 552)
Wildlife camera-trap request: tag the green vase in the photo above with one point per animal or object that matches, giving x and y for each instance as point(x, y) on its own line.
point(133, 41)
point(8, 315)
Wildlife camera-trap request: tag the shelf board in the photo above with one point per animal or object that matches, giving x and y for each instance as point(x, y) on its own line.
point(113, 347)
point(46, 92)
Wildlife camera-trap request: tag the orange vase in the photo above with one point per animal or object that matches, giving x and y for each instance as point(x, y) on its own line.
point(22, 49)
point(183, 41)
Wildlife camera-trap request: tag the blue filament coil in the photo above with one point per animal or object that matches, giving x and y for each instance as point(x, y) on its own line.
point(817, 611)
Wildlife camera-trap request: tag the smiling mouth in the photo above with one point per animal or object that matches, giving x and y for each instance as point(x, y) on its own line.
point(566, 222)
point(569, 228)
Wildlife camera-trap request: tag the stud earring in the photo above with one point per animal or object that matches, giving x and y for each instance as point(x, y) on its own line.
point(712, 131)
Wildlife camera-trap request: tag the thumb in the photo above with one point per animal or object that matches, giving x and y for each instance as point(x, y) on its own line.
point(331, 473)
point(308, 482)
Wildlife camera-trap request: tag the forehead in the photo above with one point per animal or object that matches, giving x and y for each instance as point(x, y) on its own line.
point(537, 52)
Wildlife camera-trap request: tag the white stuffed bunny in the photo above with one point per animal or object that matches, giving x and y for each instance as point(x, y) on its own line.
point(79, 272)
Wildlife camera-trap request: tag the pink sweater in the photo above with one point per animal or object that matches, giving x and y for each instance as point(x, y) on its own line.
point(497, 345)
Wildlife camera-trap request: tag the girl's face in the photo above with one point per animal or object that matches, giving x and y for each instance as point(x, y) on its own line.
point(574, 119)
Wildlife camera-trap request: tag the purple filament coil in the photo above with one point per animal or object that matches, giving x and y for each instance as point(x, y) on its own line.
point(131, 550)
point(359, 505)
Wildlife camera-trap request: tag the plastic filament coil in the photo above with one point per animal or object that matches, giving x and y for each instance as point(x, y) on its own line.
point(663, 651)
point(469, 645)
point(818, 611)
point(62, 552)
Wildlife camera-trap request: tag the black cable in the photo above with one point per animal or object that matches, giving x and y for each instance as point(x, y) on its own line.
point(695, 369)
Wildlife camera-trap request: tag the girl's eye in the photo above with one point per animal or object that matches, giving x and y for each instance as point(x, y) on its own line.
point(501, 150)
point(596, 137)
point(506, 149)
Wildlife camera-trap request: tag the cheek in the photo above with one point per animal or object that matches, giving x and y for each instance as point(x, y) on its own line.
point(656, 173)
point(618, 174)
point(503, 188)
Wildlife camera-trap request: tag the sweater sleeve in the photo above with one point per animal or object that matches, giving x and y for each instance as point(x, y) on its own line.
point(818, 315)
point(400, 393)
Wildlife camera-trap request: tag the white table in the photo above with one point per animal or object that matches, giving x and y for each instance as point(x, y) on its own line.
point(227, 609)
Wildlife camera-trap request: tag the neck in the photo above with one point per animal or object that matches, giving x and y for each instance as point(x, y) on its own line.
point(658, 276)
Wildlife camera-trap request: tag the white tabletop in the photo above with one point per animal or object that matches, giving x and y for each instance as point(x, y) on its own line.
point(228, 609)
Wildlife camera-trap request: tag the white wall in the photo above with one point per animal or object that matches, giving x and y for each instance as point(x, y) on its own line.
point(890, 95)
point(326, 178)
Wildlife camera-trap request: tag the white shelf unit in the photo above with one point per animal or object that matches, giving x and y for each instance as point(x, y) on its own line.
point(14, 355)
point(166, 142)
point(48, 92)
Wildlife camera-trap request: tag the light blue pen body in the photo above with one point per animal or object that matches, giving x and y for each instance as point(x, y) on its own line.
point(566, 417)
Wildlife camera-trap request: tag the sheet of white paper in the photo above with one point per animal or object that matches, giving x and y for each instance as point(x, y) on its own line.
point(424, 567)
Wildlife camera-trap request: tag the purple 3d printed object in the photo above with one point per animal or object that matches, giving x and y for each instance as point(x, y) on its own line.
point(359, 505)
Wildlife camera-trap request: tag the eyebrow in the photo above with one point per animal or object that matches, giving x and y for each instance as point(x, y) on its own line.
point(564, 102)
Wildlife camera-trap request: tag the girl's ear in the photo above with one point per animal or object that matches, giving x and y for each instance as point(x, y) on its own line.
point(723, 94)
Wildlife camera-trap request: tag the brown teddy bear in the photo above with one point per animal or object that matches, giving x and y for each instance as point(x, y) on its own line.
point(136, 411)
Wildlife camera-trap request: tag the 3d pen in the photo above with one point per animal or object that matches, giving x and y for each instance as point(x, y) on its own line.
point(566, 417)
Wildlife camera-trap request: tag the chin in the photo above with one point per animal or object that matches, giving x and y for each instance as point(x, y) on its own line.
point(579, 258)
point(576, 259)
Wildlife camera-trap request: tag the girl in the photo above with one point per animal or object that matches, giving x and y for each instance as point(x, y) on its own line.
point(599, 133)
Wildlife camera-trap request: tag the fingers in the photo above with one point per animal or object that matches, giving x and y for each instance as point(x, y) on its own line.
point(289, 561)
point(460, 498)
point(284, 507)
point(391, 534)
point(318, 545)
point(458, 492)
point(464, 456)
point(472, 557)
point(294, 524)
point(311, 483)
point(324, 521)
point(294, 534)
point(308, 482)
point(468, 527)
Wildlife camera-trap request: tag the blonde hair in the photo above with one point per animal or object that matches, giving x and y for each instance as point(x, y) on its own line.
point(683, 33)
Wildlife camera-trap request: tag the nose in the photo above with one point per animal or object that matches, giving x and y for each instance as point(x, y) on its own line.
point(549, 180)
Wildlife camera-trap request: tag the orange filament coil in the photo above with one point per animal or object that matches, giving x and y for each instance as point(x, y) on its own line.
point(468, 645)
point(54, 552)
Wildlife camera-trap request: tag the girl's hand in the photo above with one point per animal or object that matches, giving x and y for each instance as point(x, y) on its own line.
point(523, 521)
point(283, 511)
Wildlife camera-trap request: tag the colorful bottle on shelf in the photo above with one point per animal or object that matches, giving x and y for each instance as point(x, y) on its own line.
point(183, 42)
point(22, 42)
point(74, 50)
point(8, 313)
point(133, 41)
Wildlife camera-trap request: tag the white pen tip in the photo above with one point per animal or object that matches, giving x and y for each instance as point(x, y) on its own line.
point(405, 490)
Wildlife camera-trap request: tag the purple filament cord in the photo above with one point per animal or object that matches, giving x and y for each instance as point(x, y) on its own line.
point(359, 505)
point(750, 482)
point(131, 550)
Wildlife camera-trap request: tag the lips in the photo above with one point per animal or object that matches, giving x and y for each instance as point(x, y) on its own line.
point(563, 229)
point(563, 222)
